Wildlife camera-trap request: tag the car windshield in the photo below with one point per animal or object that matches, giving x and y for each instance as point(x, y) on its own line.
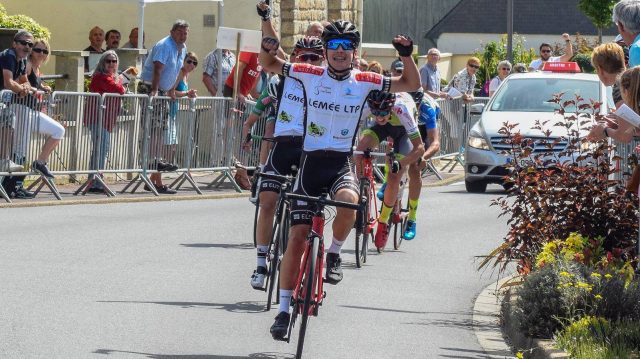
point(533, 94)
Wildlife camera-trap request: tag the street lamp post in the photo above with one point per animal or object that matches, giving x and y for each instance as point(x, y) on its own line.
point(510, 31)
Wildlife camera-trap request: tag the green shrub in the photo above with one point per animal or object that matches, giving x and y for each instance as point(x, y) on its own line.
point(493, 52)
point(539, 304)
point(594, 337)
point(584, 60)
point(23, 22)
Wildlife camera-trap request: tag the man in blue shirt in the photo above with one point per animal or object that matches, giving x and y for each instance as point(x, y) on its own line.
point(159, 74)
point(626, 16)
point(430, 75)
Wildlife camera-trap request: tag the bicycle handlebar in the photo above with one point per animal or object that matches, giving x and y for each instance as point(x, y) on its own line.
point(368, 153)
point(276, 177)
point(323, 201)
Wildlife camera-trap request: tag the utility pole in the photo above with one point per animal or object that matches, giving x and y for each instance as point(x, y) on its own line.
point(510, 31)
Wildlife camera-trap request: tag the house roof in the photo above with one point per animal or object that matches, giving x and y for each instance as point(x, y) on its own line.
point(530, 17)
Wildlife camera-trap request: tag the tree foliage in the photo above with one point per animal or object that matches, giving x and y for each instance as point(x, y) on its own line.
point(598, 11)
point(23, 22)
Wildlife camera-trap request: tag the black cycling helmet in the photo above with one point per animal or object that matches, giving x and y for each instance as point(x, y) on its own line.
point(309, 43)
point(381, 101)
point(417, 95)
point(341, 29)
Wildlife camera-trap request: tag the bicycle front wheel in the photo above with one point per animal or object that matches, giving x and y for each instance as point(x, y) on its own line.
point(362, 223)
point(310, 282)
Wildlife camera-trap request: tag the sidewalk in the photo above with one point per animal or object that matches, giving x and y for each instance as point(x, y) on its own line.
point(185, 192)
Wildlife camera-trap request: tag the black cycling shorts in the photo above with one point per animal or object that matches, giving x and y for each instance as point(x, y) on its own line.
point(321, 171)
point(285, 153)
point(401, 142)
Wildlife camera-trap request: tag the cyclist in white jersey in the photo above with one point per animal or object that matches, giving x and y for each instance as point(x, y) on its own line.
point(286, 152)
point(335, 96)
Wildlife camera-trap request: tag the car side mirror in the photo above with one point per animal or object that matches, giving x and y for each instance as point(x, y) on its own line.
point(476, 109)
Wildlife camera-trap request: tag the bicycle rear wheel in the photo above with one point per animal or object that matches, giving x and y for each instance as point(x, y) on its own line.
point(362, 230)
point(278, 241)
point(310, 283)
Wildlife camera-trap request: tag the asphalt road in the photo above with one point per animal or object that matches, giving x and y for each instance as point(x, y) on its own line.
point(171, 280)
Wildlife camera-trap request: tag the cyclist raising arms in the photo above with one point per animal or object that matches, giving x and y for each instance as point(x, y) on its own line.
point(394, 117)
point(287, 150)
point(334, 98)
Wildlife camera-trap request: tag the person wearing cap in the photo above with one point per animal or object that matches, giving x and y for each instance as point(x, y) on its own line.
point(396, 67)
point(430, 75)
point(626, 16)
point(545, 54)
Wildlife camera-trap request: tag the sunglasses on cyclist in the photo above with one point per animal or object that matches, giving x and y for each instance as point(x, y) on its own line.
point(195, 63)
point(25, 43)
point(41, 51)
point(380, 113)
point(308, 57)
point(346, 45)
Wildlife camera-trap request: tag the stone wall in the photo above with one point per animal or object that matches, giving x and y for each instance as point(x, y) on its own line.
point(296, 15)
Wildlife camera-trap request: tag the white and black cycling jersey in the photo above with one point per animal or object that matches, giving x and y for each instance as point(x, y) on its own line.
point(334, 107)
point(290, 117)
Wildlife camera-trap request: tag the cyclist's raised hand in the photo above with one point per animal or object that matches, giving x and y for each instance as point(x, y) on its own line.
point(403, 44)
point(270, 45)
point(264, 10)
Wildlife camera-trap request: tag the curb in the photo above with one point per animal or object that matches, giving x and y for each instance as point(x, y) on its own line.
point(446, 181)
point(122, 200)
point(497, 331)
point(487, 321)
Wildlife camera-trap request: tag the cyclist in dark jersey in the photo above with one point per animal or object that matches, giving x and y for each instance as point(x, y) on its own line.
point(334, 96)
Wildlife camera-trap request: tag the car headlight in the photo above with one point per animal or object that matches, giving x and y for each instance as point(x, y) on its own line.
point(476, 141)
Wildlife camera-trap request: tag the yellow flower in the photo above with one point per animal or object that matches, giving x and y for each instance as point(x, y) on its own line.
point(519, 355)
point(565, 274)
point(608, 276)
point(598, 296)
point(596, 275)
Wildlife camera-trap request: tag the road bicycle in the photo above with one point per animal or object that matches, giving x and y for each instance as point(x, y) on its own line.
point(279, 235)
point(399, 215)
point(308, 293)
point(255, 183)
point(367, 219)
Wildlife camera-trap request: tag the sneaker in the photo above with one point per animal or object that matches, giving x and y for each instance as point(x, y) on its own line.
point(95, 190)
point(280, 327)
point(10, 166)
point(258, 277)
point(382, 234)
point(166, 167)
point(333, 275)
point(22, 193)
point(164, 189)
point(42, 168)
point(380, 193)
point(410, 231)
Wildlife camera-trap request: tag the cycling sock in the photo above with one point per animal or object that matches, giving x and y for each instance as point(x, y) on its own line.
point(285, 300)
point(385, 213)
point(262, 256)
point(413, 209)
point(335, 247)
point(386, 172)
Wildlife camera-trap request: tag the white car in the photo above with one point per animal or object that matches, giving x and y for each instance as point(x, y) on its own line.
point(523, 99)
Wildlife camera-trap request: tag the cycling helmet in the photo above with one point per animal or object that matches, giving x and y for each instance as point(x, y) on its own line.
point(341, 29)
point(381, 101)
point(309, 43)
point(417, 96)
point(272, 87)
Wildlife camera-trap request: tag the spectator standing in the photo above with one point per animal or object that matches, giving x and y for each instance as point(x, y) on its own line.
point(374, 66)
point(159, 74)
point(314, 29)
point(219, 62)
point(504, 68)
point(626, 16)
point(96, 38)
point(180, 89)
point(545, 54)
point(113, 39)
point(15, 68)
point(430, 75)
point(249, 70)
point(465, 80)
point(133, 40)
point(396, 67)
point(363, 64)
point(105, 79)
point(519, 68)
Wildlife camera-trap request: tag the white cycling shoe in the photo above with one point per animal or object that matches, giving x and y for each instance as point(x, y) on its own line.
point(258, 278)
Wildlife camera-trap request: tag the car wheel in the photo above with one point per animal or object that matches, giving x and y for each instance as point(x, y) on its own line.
point(475, 187)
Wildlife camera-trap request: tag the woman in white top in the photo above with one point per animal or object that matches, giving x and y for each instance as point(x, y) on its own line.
point(504, 68)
